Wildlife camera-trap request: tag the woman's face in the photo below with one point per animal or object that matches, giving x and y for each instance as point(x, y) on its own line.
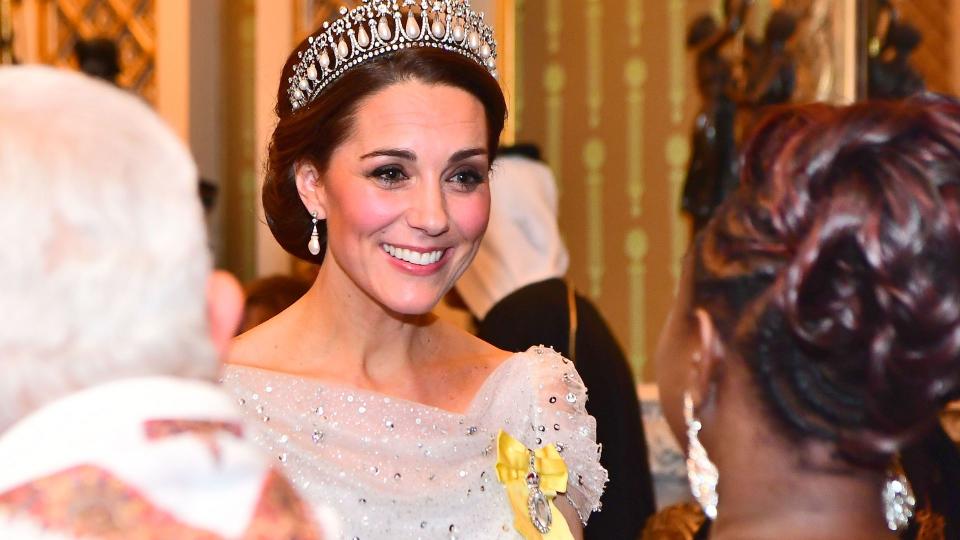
point(406, 196)
point(675, 349)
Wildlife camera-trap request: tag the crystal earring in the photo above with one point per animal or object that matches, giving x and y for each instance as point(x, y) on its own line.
point(701, 472)
point(314, 244)
point(899, 501)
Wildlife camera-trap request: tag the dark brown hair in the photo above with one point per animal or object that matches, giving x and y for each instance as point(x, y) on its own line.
point(314, 132)
point(834, 269)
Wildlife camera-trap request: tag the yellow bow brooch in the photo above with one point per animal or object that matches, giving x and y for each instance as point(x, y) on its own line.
point(533, 479)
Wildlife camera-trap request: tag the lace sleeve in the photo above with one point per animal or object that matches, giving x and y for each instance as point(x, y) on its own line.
point(560, 417)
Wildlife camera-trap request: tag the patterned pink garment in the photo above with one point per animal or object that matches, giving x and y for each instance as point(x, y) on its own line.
point(102, 497)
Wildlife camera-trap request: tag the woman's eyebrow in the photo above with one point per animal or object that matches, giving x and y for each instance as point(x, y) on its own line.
point(411, 156)
point(465, 154)
point(391, 152)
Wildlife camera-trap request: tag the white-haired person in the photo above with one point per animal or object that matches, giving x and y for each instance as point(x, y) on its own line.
point(111, 423)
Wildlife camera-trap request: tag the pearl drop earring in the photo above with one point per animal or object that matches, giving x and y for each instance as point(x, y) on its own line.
point(314, 244)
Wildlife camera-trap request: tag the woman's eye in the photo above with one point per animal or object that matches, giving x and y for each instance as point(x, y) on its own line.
point(389, 175)
point(467, 179)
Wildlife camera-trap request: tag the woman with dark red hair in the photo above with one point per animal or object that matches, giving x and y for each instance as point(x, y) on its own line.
point(816, 332)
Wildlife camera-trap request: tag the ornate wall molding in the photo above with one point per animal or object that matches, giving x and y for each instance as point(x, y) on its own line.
point(553, 25)
point(676, 21)
point(635, 76)
point(554, 81)
point(636, 243)
point(131, 24)
point(636, 246)
point(677, 154)
point(594, 158)
point(594, 64)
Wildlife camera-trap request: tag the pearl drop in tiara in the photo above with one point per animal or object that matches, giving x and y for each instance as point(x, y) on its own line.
point(365, 32)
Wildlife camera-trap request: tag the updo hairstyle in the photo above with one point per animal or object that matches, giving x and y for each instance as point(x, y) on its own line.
point(834, 270)
point(314, 131)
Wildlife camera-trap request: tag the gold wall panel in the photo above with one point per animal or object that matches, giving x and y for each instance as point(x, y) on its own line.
point(240, 194)
point(594, 64)
point(637, 243)
point(677, 154)
point(616, 137)
point(676, 23)
point(554, 80)
point(634, 21)
point(554, 24)
point(520, 72)
point(676, 149)
point(594, 158)
point(636, 246)
point(933, 57)
point(635, 76)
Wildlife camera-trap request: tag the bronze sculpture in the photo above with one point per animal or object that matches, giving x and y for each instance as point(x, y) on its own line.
point(712, 170)
point(889, 73)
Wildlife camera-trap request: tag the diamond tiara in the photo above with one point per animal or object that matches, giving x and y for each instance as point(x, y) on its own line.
point(365, 32)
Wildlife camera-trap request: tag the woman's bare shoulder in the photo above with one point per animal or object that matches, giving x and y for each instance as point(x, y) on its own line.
point(460, 345)
point(262, 346)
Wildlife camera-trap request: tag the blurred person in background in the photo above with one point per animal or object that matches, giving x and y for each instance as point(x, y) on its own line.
point(268, 296)
point(98, 57)
point(517, 291)
point(111, 425)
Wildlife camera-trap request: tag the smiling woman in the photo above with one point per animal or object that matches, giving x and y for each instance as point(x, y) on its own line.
point(378, 169)
point(312, 134)
point(410, 178)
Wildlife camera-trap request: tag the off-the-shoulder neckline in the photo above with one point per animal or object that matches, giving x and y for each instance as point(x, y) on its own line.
point(472, 406)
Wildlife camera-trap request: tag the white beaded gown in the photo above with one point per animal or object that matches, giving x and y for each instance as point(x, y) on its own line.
point(397, 469)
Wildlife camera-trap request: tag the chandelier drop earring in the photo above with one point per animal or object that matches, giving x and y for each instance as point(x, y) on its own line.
point(314, 244)
point(701, 472)
point(898, 498)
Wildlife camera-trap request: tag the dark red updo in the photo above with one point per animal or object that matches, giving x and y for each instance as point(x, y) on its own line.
point(834, 270)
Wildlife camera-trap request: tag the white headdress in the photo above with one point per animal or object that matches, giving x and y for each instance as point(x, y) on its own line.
point(522, 244)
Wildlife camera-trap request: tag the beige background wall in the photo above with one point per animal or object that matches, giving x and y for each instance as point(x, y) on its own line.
point(605, 88)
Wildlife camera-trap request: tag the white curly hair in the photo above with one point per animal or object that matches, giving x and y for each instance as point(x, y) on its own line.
point(104, 260)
